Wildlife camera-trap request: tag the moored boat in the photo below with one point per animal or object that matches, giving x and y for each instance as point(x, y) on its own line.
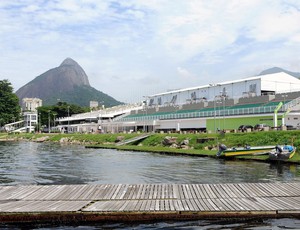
point(247, 150)
point(282, 153)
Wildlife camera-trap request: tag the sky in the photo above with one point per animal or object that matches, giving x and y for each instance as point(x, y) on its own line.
point(134, 48)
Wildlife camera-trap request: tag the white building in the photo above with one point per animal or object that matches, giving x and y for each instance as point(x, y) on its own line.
point(31, 104)
point(211, 107)
point(269, 84)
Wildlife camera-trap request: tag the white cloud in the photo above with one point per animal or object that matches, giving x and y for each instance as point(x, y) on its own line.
point(185, 74)
point(143, 43)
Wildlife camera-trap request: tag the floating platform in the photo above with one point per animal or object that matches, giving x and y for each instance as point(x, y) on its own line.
point(140, 202)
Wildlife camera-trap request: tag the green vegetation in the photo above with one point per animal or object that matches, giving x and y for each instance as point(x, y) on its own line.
point(82, 95)
point(61, 109)
point(9, 104)
point(195, 147)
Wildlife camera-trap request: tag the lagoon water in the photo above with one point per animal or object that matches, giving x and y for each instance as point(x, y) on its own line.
point(25, 163)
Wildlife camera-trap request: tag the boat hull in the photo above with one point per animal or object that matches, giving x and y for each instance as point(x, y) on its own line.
point(283, 156)
point(252, 151)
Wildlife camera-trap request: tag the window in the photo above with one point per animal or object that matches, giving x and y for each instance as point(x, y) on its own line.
point(159, 101)
point(174, 99)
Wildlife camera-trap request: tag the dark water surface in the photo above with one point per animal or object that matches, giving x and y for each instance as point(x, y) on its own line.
point(24, 163)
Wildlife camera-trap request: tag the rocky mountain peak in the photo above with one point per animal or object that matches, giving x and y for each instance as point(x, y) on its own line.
point(69, 61)
point(67, 82)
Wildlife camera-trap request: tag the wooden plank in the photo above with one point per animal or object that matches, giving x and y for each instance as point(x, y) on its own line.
point(229, 191)
point(245, 190)
point(241, 206)
point(198, 191)
point(211, 206)
point(223, 206)
point(42, 206)
point(187, 191)
point(129, 192)
point(193, 191)
point(152, 205)
point(132, 205)
point(252, 202)
point(143, 195)
point(236, 190)
point(152, 198)
point(156, 191)
point(178, 205)
point(138, 192)
point(289, 191)
point(219, 191)
point(99, 206)
point(87, 193)
point(147, 191)
point(121, 192)
point(115, 205)
point(293, 188)
point(176, 191)
point(273, 190)
point(211, 194)
point(171, 205)
point(200, 205)
point(231, 204)
point(278, 202)
point(157, 205)
point(204, 192)
point(139, 205)
point(264, 202)
point(290, 204)
point(261, 190)
point(192, 205)
point(21, 192)
point(124, 206)
point(180, 192)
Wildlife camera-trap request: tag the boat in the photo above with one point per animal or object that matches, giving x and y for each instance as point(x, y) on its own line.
point(247, 150)
point(282, 153)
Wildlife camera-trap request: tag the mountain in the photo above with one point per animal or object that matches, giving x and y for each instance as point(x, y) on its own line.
point(68, 83)
point(277, 70)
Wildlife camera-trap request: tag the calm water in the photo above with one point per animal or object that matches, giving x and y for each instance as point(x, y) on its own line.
point(47, 163)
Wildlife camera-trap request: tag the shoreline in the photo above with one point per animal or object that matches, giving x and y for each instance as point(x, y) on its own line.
point(154, 144)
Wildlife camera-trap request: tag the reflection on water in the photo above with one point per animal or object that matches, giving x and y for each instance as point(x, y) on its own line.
point(49, 163)
point(283, 223)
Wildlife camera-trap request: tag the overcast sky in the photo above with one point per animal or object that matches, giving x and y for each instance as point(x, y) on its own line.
point(133, 48)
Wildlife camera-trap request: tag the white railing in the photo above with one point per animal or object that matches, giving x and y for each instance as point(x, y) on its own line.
point(198, 114)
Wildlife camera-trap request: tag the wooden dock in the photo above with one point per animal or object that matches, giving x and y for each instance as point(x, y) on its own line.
point(139, 202)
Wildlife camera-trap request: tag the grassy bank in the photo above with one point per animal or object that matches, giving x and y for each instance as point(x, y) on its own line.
point(198, 144)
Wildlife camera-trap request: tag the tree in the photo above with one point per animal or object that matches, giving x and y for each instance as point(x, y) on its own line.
point(9, 103)
point(61, 109)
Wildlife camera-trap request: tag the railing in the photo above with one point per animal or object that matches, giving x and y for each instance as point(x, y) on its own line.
point(215, 113)
point(292, 103)
point(199, 114)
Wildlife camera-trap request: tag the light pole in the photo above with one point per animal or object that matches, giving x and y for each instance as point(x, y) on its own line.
point(39, 122)
point(48, 121)
point(215, 114)
point(224, 112)
point(284, 97)
point(54, 114)
point(68, 117)
point(177, 124)
point(145, 101)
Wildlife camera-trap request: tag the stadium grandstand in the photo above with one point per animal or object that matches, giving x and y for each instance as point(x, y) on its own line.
point(271, 99)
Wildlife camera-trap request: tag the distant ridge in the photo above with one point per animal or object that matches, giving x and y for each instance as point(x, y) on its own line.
point(67, 82)
point(278, 70)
